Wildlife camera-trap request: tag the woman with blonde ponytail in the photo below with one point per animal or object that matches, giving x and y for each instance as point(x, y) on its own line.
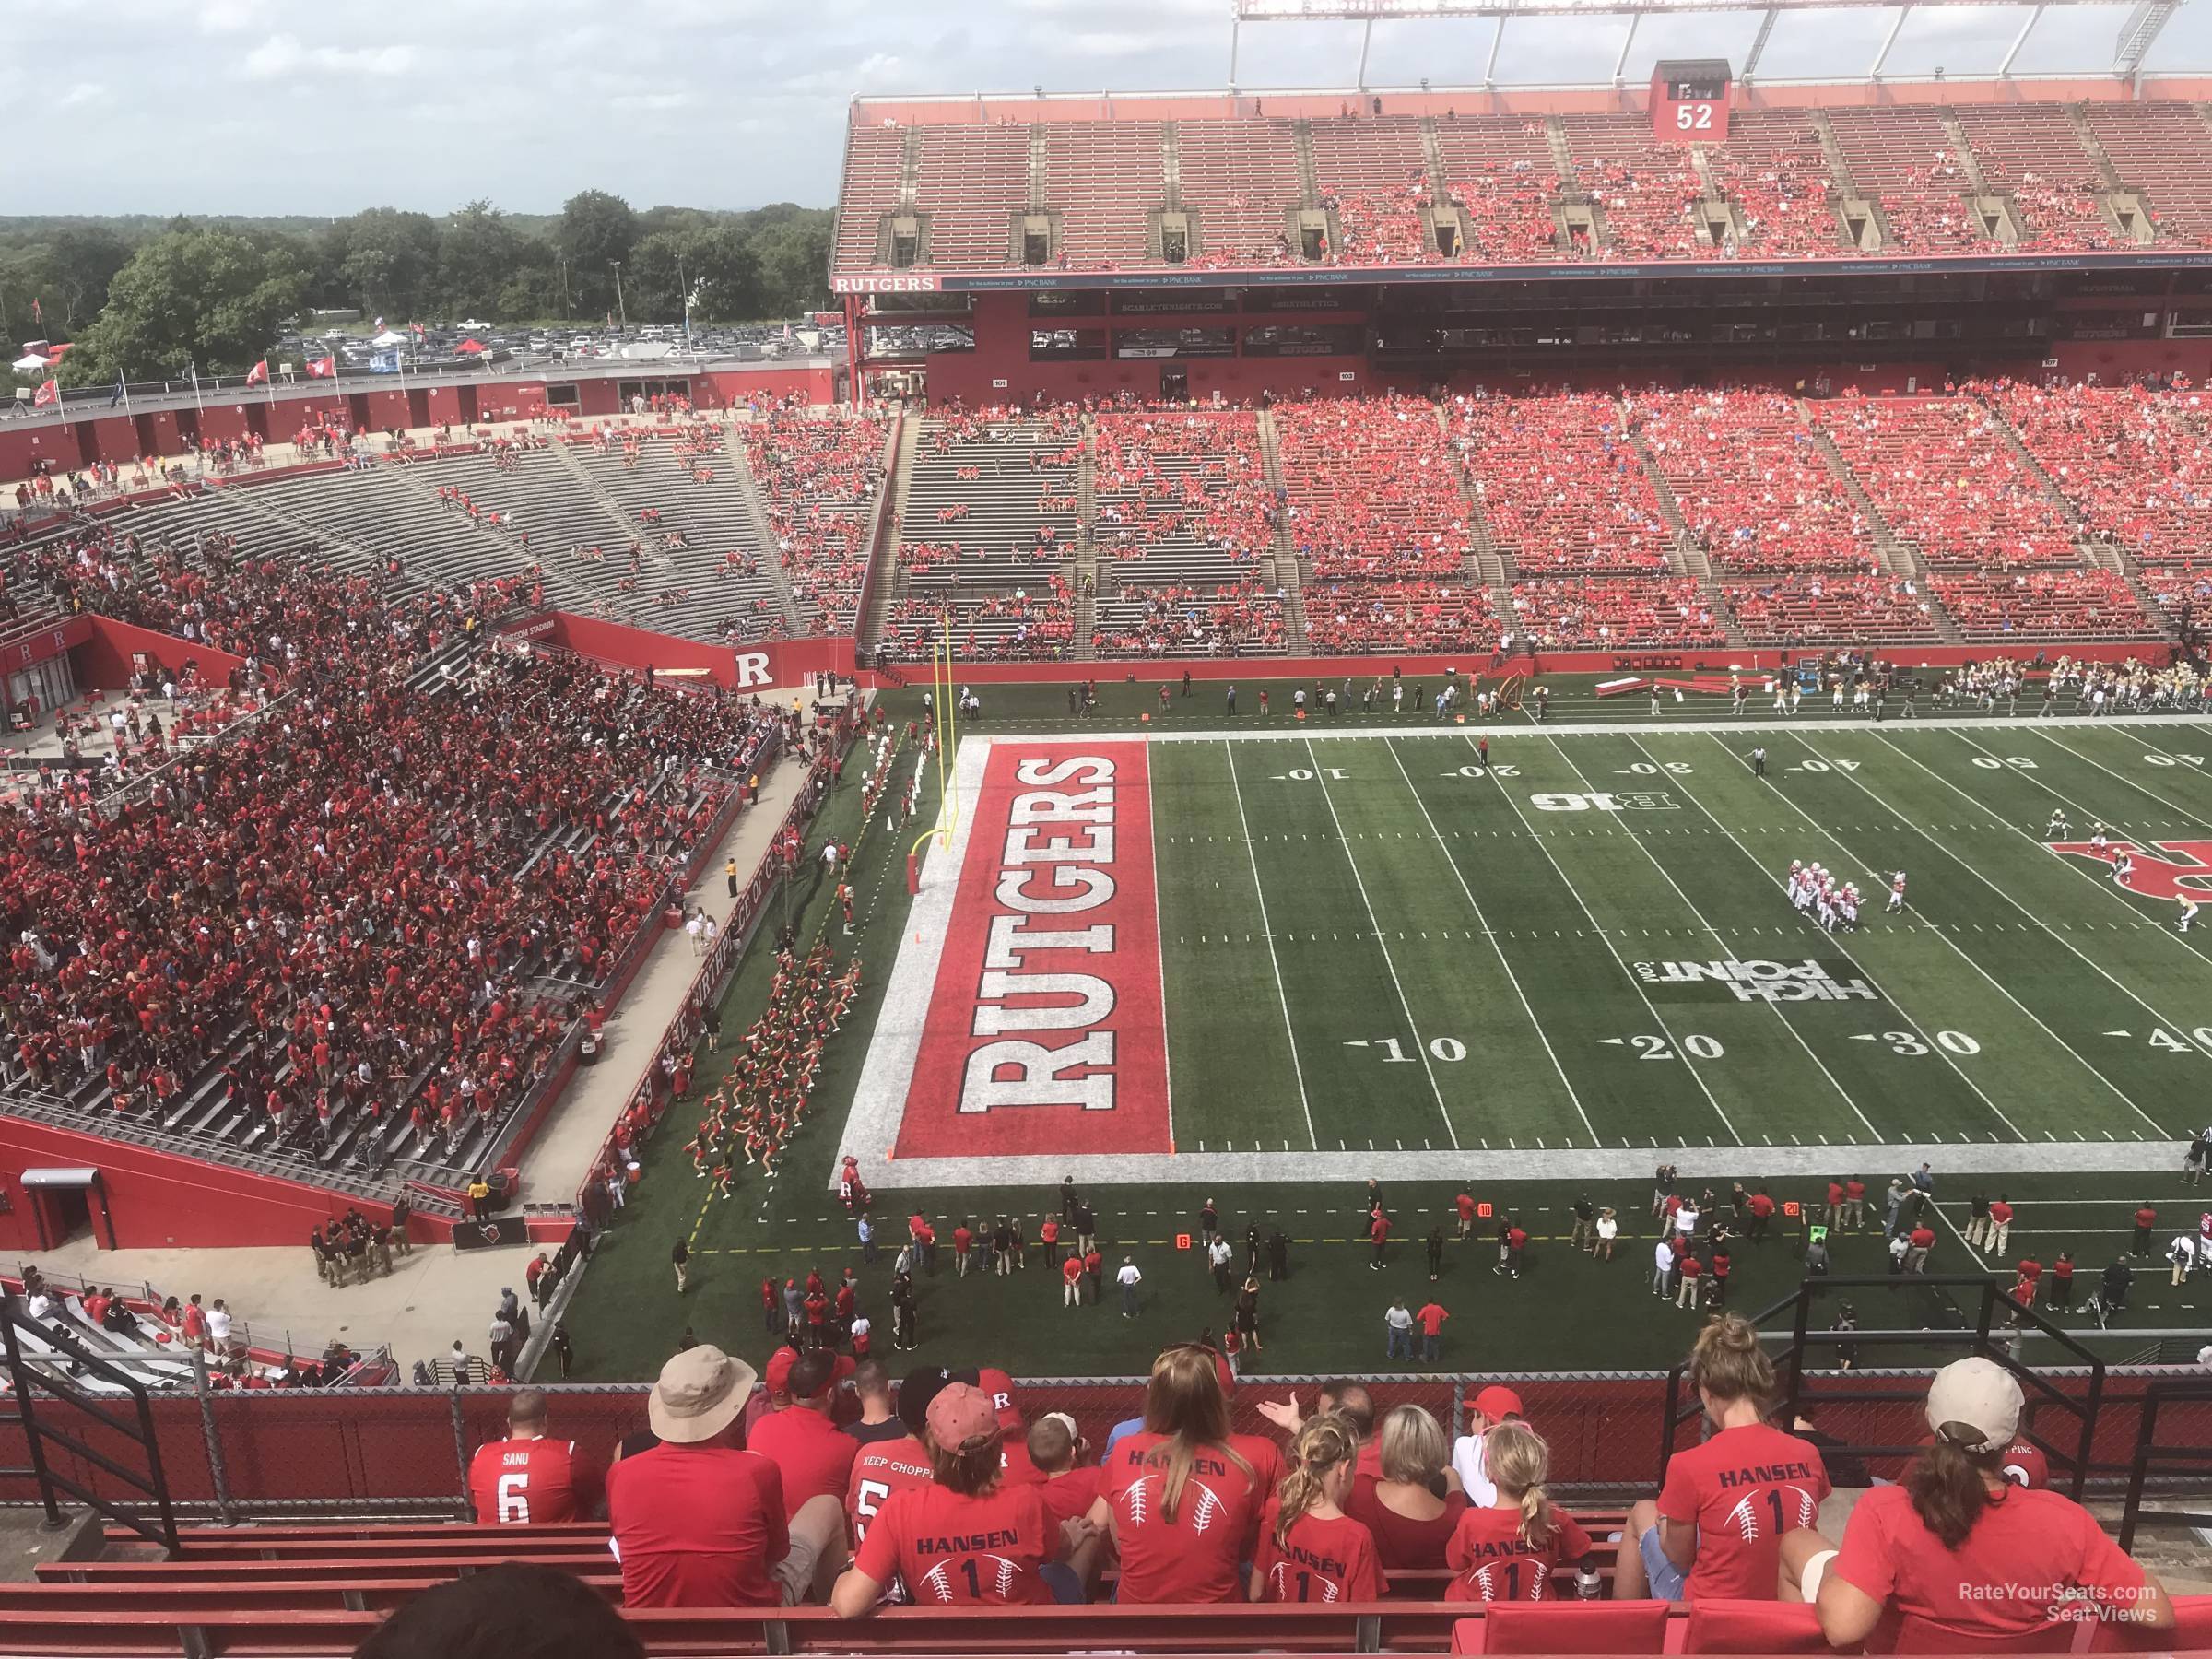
point(1182, 1498)
point(1309, 1549)
point(1509, 1550)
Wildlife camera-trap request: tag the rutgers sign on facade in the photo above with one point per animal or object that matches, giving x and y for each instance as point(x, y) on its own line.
point(904, 283)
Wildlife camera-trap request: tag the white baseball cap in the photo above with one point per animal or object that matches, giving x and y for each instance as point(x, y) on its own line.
point(1975, 1404)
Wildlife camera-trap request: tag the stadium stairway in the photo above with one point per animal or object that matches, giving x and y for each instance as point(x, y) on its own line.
point(1288, 576)
point(1084, 573)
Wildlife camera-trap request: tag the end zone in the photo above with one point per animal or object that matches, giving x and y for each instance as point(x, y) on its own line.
point(1023, 1019)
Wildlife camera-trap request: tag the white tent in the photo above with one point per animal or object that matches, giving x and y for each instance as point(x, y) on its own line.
point(30, 362)
point(390, 338)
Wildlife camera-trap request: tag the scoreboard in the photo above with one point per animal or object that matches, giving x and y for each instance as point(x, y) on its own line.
point(1689, 101)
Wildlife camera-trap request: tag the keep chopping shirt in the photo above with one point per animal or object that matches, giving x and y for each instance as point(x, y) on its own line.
point(1742, 1489)
point(1491, 1561)
point(1332, 1560)
point(2032, 1558)
point(951, 1550)
point(1194, 1557)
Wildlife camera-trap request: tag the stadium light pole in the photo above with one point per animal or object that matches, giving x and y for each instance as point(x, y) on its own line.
point(621, 308)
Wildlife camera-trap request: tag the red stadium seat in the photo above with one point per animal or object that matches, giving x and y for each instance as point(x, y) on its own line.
point(2192, 1631)
point(1565, 1627)
point(1754, 1627)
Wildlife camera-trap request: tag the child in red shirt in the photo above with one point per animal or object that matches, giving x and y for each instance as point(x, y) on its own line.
point(1309, 1549)
point(1510, 1550)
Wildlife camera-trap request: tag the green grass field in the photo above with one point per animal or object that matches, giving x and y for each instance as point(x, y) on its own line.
point(1380, 958)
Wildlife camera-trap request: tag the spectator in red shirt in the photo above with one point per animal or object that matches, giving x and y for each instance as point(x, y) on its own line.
point(964, 1539)
point(1921, 1239)
point(527, 1477)
point(2000, 1224)
point(1956, 1558)
point(1310, 1550)
point(1508, 1550)
point(1691, 1272)
point(1378, 1234)
point(1717, 1527)
point(2030, 1271)
point(2146, 1217)
point(698, 1522)
point(1762, 1212)
point(812, 1457)
point(963, 1240)
point(1181, 1499)
point(2062, 1282)
point(1464, 1202)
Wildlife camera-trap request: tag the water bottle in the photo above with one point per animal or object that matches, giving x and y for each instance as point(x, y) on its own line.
point(1588, 1586)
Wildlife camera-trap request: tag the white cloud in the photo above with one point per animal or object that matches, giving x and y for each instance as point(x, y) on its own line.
point(282, 55)
point(80, 92)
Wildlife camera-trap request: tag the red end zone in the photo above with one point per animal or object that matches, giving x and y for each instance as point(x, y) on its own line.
point(1046, 1031)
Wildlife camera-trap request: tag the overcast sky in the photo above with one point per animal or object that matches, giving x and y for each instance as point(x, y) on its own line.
point(268, 106)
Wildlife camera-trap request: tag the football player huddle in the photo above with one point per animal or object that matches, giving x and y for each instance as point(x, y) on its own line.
point(1815, 892)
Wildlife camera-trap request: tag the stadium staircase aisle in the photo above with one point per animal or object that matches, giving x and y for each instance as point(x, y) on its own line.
point(1287, 576)
point(1084, 573)
point(756, 507)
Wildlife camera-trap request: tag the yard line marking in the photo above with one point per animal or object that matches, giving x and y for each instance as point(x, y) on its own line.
point(1636, 984)
point(2118, 1093)
point(1844, 1094)
point(1282, 1000)
point(1412, 1024)
point(1837, 944)
point(1992, 886)
point(1159, 951)
point(1512, 978)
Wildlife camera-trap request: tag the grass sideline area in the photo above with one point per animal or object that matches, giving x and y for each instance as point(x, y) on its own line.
point(2034, 959)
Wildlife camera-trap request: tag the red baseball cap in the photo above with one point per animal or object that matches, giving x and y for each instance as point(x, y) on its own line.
point(778, 1375)
point(962, 1415)
point(1496, 1402)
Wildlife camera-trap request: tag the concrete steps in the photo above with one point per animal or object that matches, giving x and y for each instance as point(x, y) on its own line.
point(756, 507)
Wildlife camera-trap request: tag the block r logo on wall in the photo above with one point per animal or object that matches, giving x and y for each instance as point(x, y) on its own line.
point(752, 669)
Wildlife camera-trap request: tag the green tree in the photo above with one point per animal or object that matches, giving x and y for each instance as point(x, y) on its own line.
point(596, 232)
point(213, 297)
point(84, 261)
point(478, 255)
point(381, 260)
point(795, 264)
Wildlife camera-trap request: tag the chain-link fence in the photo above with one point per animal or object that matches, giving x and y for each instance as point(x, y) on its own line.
point(403, 1451)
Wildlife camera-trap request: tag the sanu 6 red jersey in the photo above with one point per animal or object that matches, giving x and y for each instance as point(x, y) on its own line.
point(516, 1482)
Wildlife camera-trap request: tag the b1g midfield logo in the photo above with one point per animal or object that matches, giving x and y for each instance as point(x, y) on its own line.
point(1633, 800)
point(2153, 877)
point(1808, 981)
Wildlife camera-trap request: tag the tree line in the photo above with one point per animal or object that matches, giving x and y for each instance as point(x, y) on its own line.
point(143, 298)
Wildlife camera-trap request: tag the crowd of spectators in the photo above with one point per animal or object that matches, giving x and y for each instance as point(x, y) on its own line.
point(1944, 479)
point(1372, 495)
point(1780, 193)
point(1826, 609)
point(1751, 484)
point(821, 478)
point(1559, 482)
point(1509, 214)
point(2136, 460)
point(330, 915)
point(1360, 618)
point(1604, 612)
point(2045, 605)
point(1013, 625)
point(1184, 477)
point(1227, 620)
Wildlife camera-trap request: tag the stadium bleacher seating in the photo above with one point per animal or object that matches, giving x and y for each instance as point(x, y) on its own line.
point(1181, 494)
point(1830, 609)
point(1606, 613)
point(1500, 168)
point(1751, 485)
point(2032, 152)
point(2137, 464)
point(2043, 604)
point(821, 480)
point(1239, 177)
point(1375, 173)
point(1774, 171)
point(1559, 484)
point(2164, 151)
point(1903, 156)
point(1103, 178)
point(1645, 187)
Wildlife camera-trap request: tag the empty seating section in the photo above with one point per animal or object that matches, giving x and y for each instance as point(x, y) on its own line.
point(383, 513)
point(2032, 151)
point(1945, 481)
point(819, 480)
point(1902, 155)
point(973, 182)
point(1104, 179)
point(1034, 621)
point(2044, 604)
point(1559, 484)
point(1773, 170)
point(550, 515)
point(1375, 174)
point(2136, 463)
point(1230, 619)
point(875, 168)
point(990, 500)
point(1500, 168)
point(1604, 612)
point(1828, 610)
point(1752, 485)
point(1643, 186)
point(2164, 150)
point(1182, 496)
point(686, 508)
point(1239, 177)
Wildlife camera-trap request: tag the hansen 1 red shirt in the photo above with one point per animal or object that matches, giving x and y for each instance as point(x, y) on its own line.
point(1318, 1560)
point(1742, 1489)
point(954, 1549)
point(1194, 1556)
point(1491, 1561)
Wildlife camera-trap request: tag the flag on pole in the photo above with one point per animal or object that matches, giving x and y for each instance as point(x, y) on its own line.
point(259, 374)
point(37, 316)
point(323, 368)
point(121, 390)
point(379, 322)
point(50, 392)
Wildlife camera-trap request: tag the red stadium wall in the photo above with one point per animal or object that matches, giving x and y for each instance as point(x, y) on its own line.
point(157, 1200)
point(103, 661)
point(787, 662)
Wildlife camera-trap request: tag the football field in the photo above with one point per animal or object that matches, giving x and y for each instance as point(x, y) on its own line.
point(1374, 953)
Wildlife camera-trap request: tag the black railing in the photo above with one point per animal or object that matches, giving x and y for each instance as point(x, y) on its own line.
point(2190, 1463)
point(46, 1386)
